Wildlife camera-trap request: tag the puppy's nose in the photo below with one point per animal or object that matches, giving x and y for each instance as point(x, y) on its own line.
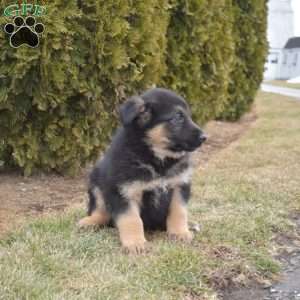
point(203, 138)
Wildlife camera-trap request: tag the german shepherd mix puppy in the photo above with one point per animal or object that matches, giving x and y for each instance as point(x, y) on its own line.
point(143, 180)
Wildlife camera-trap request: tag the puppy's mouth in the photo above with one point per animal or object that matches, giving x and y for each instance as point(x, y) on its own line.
point(198, 142)
point(189, 146)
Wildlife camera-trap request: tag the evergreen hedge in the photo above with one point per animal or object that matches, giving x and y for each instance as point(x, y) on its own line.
point(200, 53)
point(249, 33)
point(58, 101)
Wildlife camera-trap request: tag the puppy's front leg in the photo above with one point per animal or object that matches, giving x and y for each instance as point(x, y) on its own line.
point(177, 220)
point(131, 230)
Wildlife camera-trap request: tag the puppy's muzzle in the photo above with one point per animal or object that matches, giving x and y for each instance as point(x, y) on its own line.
point(203, 138)
point(196, 139)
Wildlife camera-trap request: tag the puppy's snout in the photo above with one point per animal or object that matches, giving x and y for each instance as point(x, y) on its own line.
point(203, 138)
point(199, 135)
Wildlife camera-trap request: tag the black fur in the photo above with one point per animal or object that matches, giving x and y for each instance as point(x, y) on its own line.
point(130, 158)
point(185, 190)
point(155, 206)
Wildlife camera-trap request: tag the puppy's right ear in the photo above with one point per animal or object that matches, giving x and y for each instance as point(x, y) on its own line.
point(131, 110)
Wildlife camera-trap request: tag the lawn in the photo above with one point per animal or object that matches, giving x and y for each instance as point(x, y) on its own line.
point(283, 83)
point(242, 199)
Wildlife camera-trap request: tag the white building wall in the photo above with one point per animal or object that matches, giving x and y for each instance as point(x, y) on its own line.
point(272, 66)
point(290, 66)
point(280, 29)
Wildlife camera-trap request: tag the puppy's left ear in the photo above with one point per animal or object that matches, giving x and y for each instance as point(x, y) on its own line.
point(134, 109)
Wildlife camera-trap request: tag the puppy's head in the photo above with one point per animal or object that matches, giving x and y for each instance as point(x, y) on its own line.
point(165, 121)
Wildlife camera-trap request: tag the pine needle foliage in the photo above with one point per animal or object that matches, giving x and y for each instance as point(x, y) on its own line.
point(58, 102)
point(249, 32)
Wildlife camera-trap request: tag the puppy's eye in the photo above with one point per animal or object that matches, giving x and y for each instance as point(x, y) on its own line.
point(178, 118)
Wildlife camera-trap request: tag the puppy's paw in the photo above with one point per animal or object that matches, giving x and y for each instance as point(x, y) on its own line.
point(86, 222)
point(137, 248)
point(185, 236)
point(96, 219)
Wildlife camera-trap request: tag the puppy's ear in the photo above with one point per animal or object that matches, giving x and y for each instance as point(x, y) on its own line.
point(134, 109)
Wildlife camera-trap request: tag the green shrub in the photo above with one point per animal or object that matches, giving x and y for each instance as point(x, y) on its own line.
point(58, 101)
point(249, 31)
point(200, 52)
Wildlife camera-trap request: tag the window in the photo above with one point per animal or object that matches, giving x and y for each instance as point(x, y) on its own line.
point(284, 61)
point(295, 59)
point(273, 58)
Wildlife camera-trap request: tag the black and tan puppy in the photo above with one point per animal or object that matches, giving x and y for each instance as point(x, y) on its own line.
point(143, 180)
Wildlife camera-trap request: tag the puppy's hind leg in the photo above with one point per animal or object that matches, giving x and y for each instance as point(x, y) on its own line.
point(97, 213)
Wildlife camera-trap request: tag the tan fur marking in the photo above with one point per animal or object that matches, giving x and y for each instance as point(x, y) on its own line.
point(131, 230)
point(133, 191)
point(158, 136)
point(163, 153)
point(177, 220)
point(98, 217)
point(157, 139)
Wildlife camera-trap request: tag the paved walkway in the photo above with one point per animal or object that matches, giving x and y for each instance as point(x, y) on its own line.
point(281, 90)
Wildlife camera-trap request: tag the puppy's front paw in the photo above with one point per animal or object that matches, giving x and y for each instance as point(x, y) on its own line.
point(85, 222)
point(136, 248)
point(185, 236)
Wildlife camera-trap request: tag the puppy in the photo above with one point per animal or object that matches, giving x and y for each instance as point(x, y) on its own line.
point(143, 180)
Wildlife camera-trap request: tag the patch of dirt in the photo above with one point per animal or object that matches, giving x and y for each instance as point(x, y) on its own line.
point(253, 292)
point(221, 134)
point(288, 285)
point(28, 196)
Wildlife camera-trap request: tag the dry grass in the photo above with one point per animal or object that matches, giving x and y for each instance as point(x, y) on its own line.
point(242, 198)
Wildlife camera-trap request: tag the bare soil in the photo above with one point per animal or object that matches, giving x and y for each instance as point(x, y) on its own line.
point(221, 134)
point(287, 286)
point(28, 196)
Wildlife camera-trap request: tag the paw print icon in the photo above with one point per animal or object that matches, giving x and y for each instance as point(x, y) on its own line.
point(24, 32)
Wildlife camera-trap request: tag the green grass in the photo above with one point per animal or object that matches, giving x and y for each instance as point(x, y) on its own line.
point(284, 84)
point(242, 199)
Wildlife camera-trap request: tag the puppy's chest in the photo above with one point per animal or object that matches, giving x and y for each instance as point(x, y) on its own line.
point(164, 176)
point(168, 179)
